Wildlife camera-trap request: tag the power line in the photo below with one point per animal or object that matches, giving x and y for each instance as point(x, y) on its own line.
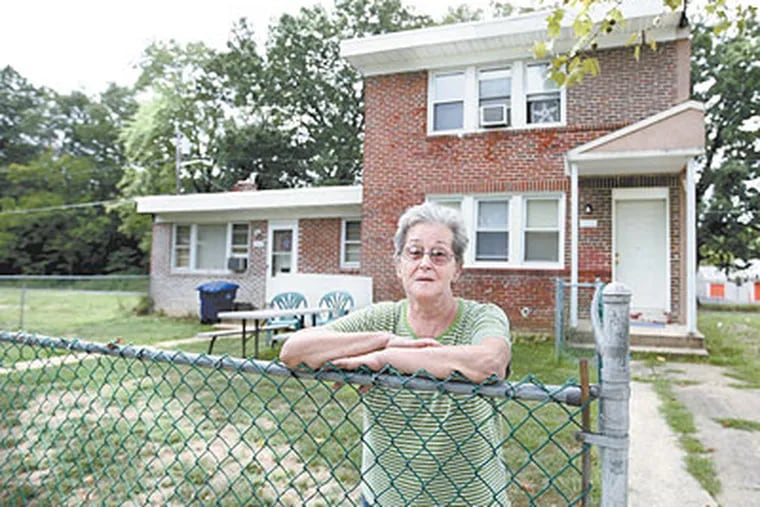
point(93, 204)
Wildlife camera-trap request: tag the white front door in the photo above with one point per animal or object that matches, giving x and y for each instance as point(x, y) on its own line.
point(640, 249)
point(282, 248)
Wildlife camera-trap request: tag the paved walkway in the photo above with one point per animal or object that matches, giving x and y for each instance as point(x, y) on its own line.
point(658, 475)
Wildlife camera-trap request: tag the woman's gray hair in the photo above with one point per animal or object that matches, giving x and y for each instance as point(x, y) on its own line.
point(432, 213)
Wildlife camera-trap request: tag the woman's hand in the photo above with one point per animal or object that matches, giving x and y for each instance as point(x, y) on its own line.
point(378, 359)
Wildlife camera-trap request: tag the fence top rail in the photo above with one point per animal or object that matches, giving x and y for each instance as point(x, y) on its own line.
point(73, 277)
point(568, 393)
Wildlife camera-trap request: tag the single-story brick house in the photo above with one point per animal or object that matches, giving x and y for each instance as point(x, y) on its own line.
point(592, 181)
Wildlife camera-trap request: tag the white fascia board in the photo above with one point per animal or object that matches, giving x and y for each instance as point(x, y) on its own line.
point(492, 40)
point(578, 152)
point(637, 154)
point(633, 162)
point(252, 201)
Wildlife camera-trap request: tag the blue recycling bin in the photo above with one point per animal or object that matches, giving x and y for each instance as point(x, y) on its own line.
point(217, 296)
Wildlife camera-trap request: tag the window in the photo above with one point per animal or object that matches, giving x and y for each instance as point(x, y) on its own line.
point(517, 94)
point(543, 98)
point(448, 101)
point(717, 290)
point(239, 240)
point(512, 230)
point(350, 243)
point(182, 246)
point(210, 247)
point(541, 230)
point(282, 251)
point(206, 247)
point(494, 91)
point(492, 231)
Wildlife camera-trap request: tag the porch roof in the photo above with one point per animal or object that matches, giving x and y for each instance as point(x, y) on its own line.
point(662, 143)
point(311, 202)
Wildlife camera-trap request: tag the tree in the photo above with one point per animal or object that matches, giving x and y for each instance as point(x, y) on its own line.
point(726, 77)
point(24, 115)
point(186, 98)
point(315, 94)
point(573, 65)
point(63, 161)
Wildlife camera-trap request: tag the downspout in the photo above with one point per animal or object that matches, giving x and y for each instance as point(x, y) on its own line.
point(573, 245)
point(691, 247)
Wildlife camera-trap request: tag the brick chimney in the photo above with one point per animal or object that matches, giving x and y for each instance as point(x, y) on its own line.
point(246, 185)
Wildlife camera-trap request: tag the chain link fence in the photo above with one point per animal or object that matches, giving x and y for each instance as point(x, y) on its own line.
point(573, 327)
point(88, 423)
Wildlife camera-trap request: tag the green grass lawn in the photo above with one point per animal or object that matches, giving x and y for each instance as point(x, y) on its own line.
point(91, 315)
point(733, 340)
point(108, 430)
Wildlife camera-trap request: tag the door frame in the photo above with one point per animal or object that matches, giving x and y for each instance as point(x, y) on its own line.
point(273, 225)
point(639, 194)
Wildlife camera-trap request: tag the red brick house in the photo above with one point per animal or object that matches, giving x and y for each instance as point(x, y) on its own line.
point(593, 181)
point(596, 180)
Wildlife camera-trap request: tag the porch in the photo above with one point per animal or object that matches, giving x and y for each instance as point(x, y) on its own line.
point(649, 337)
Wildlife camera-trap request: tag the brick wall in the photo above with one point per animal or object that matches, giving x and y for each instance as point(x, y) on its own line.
point(176, 294)
point(627, 90)
point(402, 164)
point(319, 241)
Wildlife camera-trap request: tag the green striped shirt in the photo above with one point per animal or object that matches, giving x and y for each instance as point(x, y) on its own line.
point(431, 448)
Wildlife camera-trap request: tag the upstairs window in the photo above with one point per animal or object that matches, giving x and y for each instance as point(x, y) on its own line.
point(448, 101)
point(517, 94)
point(543, 96)
point(494, 93)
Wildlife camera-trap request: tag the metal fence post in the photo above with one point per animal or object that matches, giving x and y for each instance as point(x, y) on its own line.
point(23, 303)
point(559, 303)
point(615, 395)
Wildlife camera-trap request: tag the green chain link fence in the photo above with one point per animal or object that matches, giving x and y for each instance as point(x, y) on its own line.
point(88, 423)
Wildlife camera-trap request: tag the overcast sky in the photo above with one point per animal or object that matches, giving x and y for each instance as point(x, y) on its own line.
point(85, 44)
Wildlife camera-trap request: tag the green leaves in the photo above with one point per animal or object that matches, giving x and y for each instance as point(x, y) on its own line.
point(570, 66)
point(726, 79)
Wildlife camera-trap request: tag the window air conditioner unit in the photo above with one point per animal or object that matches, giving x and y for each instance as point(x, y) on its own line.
point(494, 115)
point(237, 264)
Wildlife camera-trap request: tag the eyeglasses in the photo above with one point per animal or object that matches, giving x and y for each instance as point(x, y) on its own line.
point(438, 256)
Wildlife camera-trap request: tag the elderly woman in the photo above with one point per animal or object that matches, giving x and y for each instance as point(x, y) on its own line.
point(422, 448)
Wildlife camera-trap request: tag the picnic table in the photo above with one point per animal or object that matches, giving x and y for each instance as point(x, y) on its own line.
point(260, 319)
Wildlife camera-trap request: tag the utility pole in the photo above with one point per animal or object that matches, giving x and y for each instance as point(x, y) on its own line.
point(178, 157)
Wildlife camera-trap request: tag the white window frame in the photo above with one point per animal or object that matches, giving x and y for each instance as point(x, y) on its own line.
point(508, 229)
point(433, 100)
point(194, 248)
point(174, 246)
point(529, 93)
point(344, 242)
point(500, 72)
point(517, 220)
point(230, 236)
point(525, 230)
point(518, 99)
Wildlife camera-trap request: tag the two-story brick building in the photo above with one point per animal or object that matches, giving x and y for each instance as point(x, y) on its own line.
point(591, 181)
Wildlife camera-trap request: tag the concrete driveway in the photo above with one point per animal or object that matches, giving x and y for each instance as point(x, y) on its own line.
point(658, 475)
